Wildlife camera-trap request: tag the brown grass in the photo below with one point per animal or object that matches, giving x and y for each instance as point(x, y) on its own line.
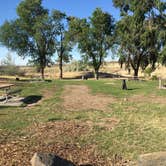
point(110, 67)
point(79, 98)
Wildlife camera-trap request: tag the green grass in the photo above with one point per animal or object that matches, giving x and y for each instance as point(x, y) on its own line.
point(141, 127)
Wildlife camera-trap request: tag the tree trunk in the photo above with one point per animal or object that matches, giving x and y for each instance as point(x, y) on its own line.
point(124, 85)
point(42, 73)
point(96, 74)
point(121, 65)
point(136, 73)
point(129, 71)
point(60, 67)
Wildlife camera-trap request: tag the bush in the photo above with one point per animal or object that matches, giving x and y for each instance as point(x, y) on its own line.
point(154, 77)
point(76, 66)
point(148, 71)
point(11, 70)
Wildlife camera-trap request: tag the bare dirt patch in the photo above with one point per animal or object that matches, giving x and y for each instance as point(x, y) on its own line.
point(78, 97)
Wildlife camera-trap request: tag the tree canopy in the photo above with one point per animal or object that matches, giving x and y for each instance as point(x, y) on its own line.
point(140, 34)
point(137, 32)
point(63, 44)
point(32, 34)
point(94, 36)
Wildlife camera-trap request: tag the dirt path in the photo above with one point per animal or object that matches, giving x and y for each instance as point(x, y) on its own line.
point(78, 97)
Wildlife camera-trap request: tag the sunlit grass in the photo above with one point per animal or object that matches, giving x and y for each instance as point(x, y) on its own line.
point(141, 127)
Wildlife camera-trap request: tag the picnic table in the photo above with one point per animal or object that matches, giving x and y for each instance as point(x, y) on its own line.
point(6, 88)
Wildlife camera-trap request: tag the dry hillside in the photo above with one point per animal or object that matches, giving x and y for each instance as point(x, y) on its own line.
point(110, 68)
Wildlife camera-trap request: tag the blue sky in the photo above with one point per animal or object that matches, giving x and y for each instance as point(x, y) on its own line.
point(81, 8)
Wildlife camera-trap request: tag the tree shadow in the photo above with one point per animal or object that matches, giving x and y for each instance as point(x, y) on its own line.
point(62, 162)
point(2, 114)
point(86, 165)
point(34, 80)
point(130, 89)
point(88, 75)
point(50, 159)
point(31, 99)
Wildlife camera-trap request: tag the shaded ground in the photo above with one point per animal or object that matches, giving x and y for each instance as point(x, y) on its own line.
point(79, 98)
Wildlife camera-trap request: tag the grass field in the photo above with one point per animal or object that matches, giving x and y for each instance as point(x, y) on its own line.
point(86, 125)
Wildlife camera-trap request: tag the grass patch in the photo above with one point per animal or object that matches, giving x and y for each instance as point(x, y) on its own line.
point(141, 127)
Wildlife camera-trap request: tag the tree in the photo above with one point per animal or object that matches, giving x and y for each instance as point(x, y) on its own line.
point(63, 45)
point(7, 61)
point(137, 32)
point(8, 66)
point(94, 36)
point(162, 38)
point(32, 34)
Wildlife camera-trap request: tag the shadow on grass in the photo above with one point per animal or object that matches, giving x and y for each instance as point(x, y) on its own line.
point(32, 99)
point(85, 165)
point(133, 88)
point(88, 75)
point(3, 114)
point(3, 107)
point(34, 80)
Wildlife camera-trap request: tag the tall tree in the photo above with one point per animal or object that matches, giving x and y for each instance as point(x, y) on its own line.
point(63, 45)
point(8, 60)
point(137, 32)
point(162, 38)
point(32, 34)
point(94, 36)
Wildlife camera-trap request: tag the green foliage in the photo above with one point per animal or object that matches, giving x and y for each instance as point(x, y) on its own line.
point(31, 34)
point(9, 68)
point(77, 66)
point(94, 36)
point(154, 77)
point(63, 45)
point(137, 32)
point(148, 71)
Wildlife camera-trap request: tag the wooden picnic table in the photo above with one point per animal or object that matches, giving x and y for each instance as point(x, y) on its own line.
point(6, 87)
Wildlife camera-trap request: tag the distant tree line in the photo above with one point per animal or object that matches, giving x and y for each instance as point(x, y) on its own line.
point(139, 36)
point(8, 67)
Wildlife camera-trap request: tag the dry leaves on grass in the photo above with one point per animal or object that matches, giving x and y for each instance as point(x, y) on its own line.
point(18, 153)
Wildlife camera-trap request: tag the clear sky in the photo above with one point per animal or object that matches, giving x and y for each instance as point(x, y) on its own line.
point(78, 8)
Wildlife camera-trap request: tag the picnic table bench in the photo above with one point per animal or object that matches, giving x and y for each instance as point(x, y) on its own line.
point(6, 88)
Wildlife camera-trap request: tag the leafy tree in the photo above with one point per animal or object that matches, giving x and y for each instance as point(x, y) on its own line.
point(32, 34)
point(63, 45)
point(137, 32)
point(7, 61)
point(94, 36)
point(162, 38)
point(8, 66)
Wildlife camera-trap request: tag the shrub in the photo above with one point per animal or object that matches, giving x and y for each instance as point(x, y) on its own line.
point(154, 77)
point(11, 70)
point(148, 71)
